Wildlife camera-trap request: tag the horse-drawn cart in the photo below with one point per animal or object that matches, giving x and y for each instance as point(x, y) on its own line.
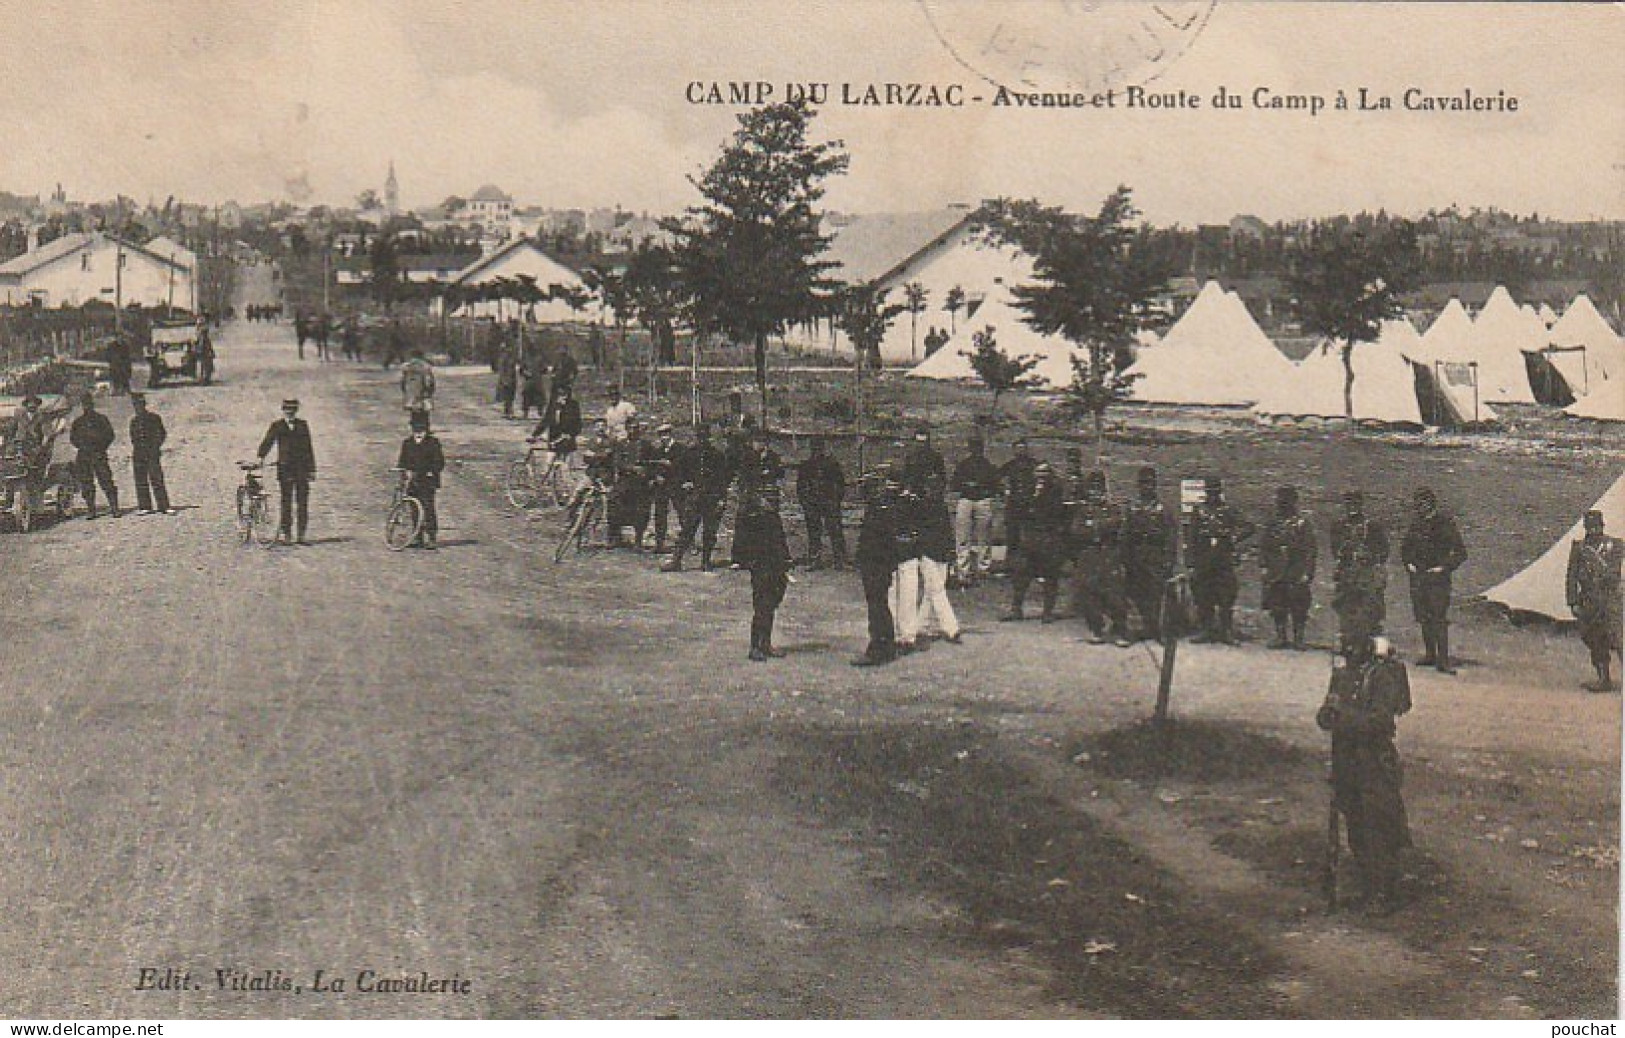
point(32, 480)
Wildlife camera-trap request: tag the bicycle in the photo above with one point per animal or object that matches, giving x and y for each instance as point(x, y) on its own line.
point(584, 524)
point(405, 520)
point(531, 482)
point(254, 506)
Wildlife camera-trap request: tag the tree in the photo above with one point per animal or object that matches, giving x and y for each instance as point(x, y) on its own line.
point(1348, 281)
point(367, 199)
point(1096, 282)
point(998, 370)
point(954, 302)
point(749, 254)
point(656, 296)
point(611, 288)
point(914, 297)
point(864, 315)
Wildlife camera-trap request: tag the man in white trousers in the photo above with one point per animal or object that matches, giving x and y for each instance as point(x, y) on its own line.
point(920, 590)
point(976, 483)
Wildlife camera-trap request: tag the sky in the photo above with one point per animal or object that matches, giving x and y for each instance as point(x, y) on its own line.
point(579, 105)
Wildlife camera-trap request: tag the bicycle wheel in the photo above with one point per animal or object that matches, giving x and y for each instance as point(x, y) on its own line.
point(245, 516)
point(404, 523)
point(261, 524)
point(520, 487)
point(578, 526)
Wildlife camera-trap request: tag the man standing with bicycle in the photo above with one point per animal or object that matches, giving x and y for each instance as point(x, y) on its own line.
point(296, 468)
point(421, 462)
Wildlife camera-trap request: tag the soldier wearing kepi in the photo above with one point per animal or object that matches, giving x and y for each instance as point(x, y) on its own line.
point(1016, 476)
point(421, 461)
point(1360, 580)
point(1287, 555)
point(820, 485)
point(976, 483)
point(703, 481)
point(663, 462)
point(759, 542)
point(1043, 542)
point(1097, 523)
point(296, 469)
point(1213, 553)
point(1593, 591)
point(92, 435)
point(147, 435)
point(877, 558)
point(1432, 550)
point(1148, 544)
point(1369, 689)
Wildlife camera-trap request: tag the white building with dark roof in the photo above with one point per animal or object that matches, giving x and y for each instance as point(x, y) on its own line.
point(76, 268)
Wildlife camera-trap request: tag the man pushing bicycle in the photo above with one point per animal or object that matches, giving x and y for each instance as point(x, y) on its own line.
point(421, 462)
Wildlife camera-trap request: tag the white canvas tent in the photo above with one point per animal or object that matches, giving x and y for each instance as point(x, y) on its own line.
point(1446, 360)
point(1014, 337)
point(1384, 385)
point(1539, 587)
point(1502, 333)
point(1586, 352)
point(1214, 355)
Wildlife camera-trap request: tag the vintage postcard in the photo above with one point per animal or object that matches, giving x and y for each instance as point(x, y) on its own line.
point(778, 510)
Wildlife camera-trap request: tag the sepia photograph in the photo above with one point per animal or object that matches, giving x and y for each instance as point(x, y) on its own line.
point(797, 510)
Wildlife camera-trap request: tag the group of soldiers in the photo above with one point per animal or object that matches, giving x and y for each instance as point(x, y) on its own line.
point(92, 436)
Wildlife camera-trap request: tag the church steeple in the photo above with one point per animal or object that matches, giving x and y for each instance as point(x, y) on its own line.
point(392, 191)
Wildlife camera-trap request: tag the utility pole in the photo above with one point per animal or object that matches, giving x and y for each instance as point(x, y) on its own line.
point(118, 285)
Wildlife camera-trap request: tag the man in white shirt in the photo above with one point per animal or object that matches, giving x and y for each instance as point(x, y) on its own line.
point(617, 415)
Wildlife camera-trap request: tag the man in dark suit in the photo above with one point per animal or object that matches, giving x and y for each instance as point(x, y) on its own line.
point(422, 460)
point(147, 435)
point(92, 435)
point(296, 467)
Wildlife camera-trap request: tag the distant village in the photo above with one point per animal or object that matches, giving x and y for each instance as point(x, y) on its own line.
point(57, 252)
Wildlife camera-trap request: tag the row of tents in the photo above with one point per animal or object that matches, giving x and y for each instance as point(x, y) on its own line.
point(1452, 376)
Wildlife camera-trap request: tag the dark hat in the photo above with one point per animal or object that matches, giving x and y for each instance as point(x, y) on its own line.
point(1353, 497)
point(1074, 452)
point(1425, 494)
point(1095, 478)
point(1213, 483)
point(419, 420)
point(135, 398)
point(289, 403)
point(87, 399)
point(1593, 513)
point(1286, 495)
point(32, 400)
point(1148, 474)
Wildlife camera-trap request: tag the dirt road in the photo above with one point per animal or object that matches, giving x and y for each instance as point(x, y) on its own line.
point(565, 785)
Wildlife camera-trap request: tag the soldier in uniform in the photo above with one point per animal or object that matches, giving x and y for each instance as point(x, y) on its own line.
point(507, 369)
point(1043, 541)
point(350, 338)
point(1097, 524)
point(703, 482)
point(147, 435)
point(976, 483)
point(92, 435)
point(421, 461)
point(1016, 477)
point(759, 543)
point(296, 468)
point(1360, 577)
point(1369, 689)
point(1592, 588)
point(119, 363)
point(1287, 555)
point(662, 462)
point(1148, 543)
point(1432, 550)
point(820, 486)
point(628, 500)
point(1213, 552)
point(877, 558)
